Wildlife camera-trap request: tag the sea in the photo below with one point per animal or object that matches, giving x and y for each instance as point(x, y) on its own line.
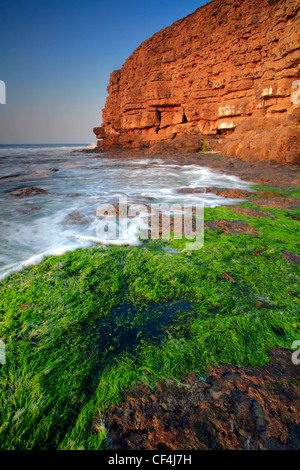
point(50, 193)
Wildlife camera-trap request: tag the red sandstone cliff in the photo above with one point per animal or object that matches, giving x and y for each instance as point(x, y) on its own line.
point(228, 74)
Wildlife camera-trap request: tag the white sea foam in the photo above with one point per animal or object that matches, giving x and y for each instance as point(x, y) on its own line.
point(64, 217)
point(36, 259)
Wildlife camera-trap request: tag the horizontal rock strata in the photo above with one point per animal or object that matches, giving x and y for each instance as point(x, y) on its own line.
point(224, 78)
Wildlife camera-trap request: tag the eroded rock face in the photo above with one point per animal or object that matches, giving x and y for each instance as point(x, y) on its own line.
point(228, 74)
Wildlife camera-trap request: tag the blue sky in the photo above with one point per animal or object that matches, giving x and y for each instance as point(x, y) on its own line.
point(56, 57)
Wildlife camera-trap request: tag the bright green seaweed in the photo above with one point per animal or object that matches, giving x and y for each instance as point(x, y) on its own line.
point(81, 328)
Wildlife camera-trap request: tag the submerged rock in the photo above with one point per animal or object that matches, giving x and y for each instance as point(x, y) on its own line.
point(223, 192)
point(232, 227)
point(278, 202)
point(25, 192)
point(29, 210)
point(76, 218)
point(293, 258)
point(256, 213)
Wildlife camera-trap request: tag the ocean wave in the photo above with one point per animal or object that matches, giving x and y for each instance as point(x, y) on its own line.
point(63, 217)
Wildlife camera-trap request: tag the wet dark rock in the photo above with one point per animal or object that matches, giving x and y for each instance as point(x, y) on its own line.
point(276, 175)
point(17, 175)
point(268, 194)
point(29, 210)
point(230, 192)
point(234, 408)
point(223, 192)
point(25, 192)
point(76, 218)
point(293, 258)
point(255, 213)
point(278, 202)
point(227, 276)
point(26, 306)
point(232, 227)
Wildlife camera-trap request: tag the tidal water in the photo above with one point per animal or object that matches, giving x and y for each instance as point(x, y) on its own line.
point(60, 213)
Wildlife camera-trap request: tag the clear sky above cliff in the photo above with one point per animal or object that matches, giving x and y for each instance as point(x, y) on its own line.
point(56, 57)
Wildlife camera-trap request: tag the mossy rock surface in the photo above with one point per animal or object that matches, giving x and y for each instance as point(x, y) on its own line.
point(82, 328)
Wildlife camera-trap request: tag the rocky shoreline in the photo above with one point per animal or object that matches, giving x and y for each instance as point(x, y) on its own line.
point(156, 347)
point(266, 172)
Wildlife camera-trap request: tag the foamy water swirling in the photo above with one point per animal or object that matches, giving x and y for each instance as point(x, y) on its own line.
point(61, 214)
